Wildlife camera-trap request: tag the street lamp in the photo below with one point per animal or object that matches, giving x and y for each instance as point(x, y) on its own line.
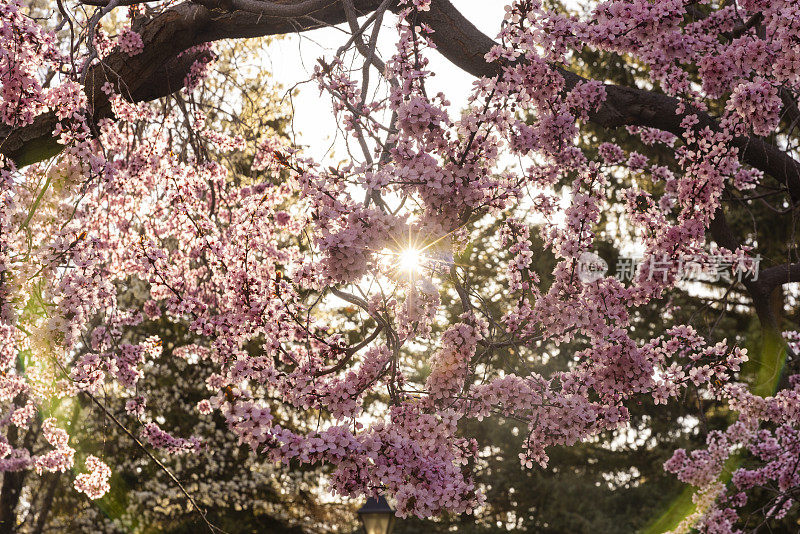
point(376, 516)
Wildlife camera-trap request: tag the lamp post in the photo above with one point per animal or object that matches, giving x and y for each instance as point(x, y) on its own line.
point(376, 516)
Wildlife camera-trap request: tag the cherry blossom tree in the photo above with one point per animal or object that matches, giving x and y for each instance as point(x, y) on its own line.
point(312, 286)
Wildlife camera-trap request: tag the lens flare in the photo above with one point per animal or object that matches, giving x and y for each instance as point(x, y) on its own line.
point(410, 260)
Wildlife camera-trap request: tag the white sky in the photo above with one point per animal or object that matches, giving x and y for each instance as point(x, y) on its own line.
point(292, 60)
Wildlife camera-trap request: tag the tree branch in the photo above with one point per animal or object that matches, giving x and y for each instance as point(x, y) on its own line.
point(465, 46)
point(779, 275)
point(144, 76)
point(153, 74)
point(212, 528)
point(273, 9)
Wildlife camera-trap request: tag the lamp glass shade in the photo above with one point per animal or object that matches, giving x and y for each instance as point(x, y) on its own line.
point(376, 516)
point(378, 523)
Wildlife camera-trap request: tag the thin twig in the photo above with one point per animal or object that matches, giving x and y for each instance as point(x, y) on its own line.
point(158, 462)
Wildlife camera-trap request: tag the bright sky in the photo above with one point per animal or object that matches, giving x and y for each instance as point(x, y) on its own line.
point(292, 60)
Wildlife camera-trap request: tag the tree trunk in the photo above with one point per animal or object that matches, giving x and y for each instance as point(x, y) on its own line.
point(11, 489)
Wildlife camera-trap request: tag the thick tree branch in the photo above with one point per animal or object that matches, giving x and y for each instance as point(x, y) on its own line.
point(780, 274)
point(465, 46)
point(758, 289)
point(103, 3)
point(274, 9)
point(165, 37)
point(160, 68)
point(147, 75)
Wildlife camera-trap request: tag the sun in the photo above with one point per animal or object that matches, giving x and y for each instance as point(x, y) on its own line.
point(410, 260)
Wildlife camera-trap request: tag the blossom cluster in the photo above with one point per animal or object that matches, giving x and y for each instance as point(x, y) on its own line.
point(94, 483)
point(767, 431)
point(130, 42)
